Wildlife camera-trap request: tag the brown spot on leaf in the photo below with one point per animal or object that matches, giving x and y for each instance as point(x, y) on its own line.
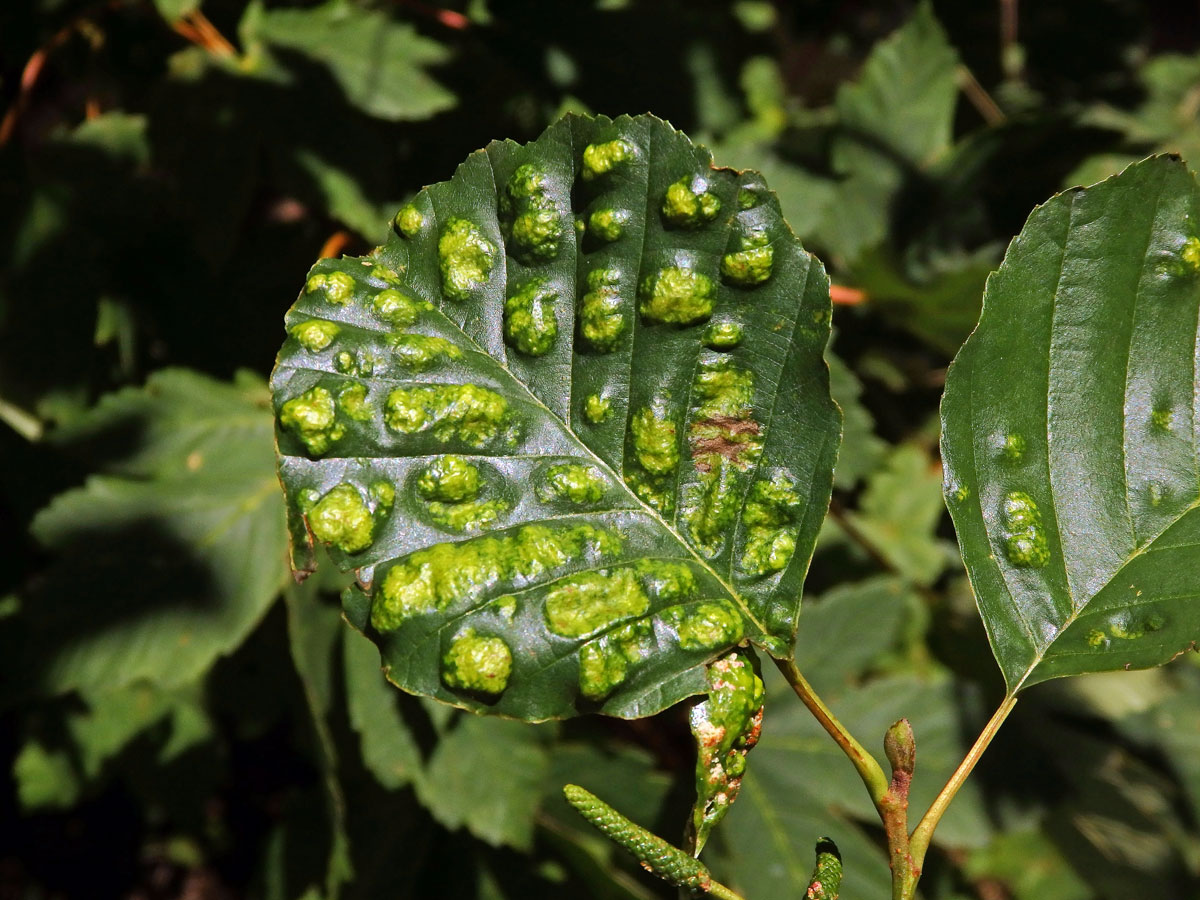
point(718, 437)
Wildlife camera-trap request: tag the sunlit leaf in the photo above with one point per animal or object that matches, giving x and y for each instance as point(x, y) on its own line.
point(571, 424)
point(1069, 434)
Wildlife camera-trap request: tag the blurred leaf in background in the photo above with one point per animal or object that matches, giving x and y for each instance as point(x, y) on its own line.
point(180, 720)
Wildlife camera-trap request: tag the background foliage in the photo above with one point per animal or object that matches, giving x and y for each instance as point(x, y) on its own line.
point(179, 719)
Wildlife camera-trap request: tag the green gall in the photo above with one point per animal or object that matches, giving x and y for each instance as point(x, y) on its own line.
point(477, 664)
point(315, 334)
point(666, 581)
point(768, 551)
point(1125, 627)
point(722, 335)
point(307, 499)
point(346, 363)
point(469, 516)
point(315, 282)
point(409, 220)
point(569, 481)
point(339, 288)
point(506, 606)
point(537, 233)
point(770, 512)
point(678, 296)
point(466, 258)
point(528, 180)
point(1162, 418)
point(654, 490)
point(582, 605)
point(397, 309)
point(688, 204)
point(596, 408)
point(529, 322)
point(417, 352)
point(601, 321)
point(352, 400)
point(342, 518)
point(468, 412)
point(654, 442)
point(747, 199)
point(1025, 542)
point(1190, 254)
point(608, 224)
point(313, 419)
point(450, 479)
point(530, 219)
point(433, 578)
point(710, 507)
point(1012, 447)
point(751, 265)
point(600, 159)
point(601, 669)
point(707, 625)
point(723, 389)
point(383, 493)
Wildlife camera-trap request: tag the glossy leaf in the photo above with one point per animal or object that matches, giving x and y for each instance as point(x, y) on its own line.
point(571, 424)
point(1069, 434)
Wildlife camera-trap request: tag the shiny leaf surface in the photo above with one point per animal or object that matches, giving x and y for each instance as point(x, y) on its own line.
point(1070, 435)
point(571, 424)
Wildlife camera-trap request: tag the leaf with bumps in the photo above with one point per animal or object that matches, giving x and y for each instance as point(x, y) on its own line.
point(571, 424)
point(1069, 432)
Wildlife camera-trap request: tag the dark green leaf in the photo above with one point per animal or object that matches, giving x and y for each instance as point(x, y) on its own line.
point(189, 524)
point(380, 64)
point(894, 120)
point(862, 449)
point(313, 630)
point(1069, 435)
point(488, 776)
point(572, 466)
point(899, 513)
point(388, 747)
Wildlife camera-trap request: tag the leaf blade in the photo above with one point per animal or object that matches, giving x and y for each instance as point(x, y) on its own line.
point(527, 337)
point(1066, 481)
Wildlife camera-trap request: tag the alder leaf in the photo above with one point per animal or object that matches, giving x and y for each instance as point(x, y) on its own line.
point(1069, 432)
point(571, 424)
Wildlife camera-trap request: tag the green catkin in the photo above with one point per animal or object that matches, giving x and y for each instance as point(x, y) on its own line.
point(826, 878)
point(656, 855)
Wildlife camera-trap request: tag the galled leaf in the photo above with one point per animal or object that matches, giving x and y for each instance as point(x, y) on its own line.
point(726, 726)
point(571, 424)
point(1070, 436)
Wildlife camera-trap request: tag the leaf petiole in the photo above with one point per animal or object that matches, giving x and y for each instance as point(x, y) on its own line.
point(868, 767)
point(923, 833)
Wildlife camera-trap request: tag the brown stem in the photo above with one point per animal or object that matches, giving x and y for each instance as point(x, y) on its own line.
point(979, 97)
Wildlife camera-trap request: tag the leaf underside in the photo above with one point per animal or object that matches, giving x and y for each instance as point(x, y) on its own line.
point(570, 424)
point(1070, 435)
